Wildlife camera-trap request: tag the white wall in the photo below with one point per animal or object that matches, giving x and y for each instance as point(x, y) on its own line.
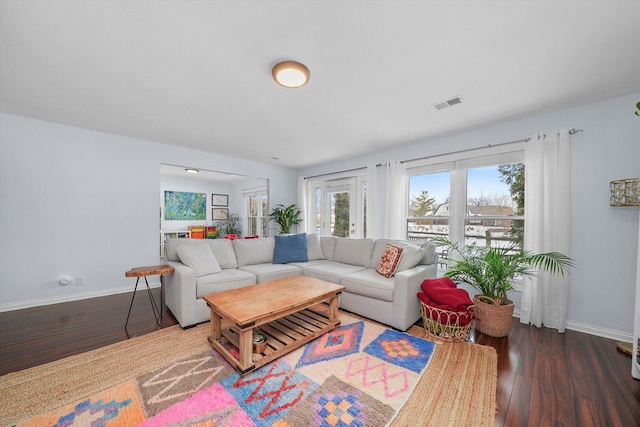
point(79, 202)
point(603, 239)
point(74, 201)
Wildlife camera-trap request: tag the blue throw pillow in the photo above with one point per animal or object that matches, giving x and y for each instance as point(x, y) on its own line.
point(291, 248)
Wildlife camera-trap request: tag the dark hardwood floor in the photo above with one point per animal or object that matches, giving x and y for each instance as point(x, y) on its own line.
point(544, 378)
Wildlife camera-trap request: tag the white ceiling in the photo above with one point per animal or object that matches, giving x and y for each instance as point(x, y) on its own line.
point(198, 73)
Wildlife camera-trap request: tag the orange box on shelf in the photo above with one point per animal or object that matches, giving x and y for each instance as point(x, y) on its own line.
point(197, 231)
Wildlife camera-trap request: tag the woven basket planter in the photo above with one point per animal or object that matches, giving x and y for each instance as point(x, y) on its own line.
point(493, 320)
point(446, 325)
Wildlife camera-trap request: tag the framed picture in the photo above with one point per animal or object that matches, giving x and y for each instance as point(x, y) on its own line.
point(219, 213)
point(219, 200)
point(180, 205)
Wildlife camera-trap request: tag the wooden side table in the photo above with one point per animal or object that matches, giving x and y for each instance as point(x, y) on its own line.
point(152, 270)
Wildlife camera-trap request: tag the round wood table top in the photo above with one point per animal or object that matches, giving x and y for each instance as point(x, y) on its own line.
point(149, 270)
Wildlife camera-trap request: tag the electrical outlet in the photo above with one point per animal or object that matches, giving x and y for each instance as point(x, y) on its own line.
point(80, 280)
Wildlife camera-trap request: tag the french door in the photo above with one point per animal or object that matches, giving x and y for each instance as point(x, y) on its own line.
point(339, 207)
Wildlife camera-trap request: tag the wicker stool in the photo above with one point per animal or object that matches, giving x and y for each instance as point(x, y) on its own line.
point(446, 325)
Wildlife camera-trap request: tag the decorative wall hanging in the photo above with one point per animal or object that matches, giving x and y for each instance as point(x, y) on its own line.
point(179, 205)
point(220, 200)
point(219, 213)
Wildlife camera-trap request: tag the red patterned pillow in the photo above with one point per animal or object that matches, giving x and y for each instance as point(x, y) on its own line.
point(389, 260)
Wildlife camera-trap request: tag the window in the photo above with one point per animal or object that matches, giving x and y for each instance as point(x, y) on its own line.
point(495, 206)
point(256, 203)
point(478, 201)
point(339, 204)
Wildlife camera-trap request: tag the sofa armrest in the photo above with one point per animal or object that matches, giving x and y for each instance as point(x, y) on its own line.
point(406, 305)
point(180, 294)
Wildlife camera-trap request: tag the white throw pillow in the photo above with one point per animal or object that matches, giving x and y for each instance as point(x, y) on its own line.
point(200, 258)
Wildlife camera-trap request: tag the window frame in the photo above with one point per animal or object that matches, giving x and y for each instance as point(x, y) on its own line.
point(457, 164)
point(262, 218)
point(317, 191)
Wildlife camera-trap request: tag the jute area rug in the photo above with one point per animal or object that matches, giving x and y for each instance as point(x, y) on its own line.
point(361, 374)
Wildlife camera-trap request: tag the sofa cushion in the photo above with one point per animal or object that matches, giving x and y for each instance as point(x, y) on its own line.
point(411, 254)
point(223, 251)
point(328, 244)
point(266, 272)
point(304, 265)
point(314, 247)
point(254, 251)
point(171, 245)
point(200, 258)
point(370, 284)
point(290, 248)
point(223, 281)
point(429, 254)
point(353, 251)
point(331, 271)
point(389, 260)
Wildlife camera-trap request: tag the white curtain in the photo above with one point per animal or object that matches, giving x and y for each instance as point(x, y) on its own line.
point(373, 202)
point(547, 205)
point(395, 207)
point(307, 225)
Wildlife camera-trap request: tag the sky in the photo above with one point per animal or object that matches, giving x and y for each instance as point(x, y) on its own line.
point(480, 182)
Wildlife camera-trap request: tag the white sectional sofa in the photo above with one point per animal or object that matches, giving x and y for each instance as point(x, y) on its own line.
point(205, 266)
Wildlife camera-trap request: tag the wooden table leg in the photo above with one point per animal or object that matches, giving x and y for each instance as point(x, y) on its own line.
point(245, 343)
point(333, 310)
point(216, 327)
point(161, 298)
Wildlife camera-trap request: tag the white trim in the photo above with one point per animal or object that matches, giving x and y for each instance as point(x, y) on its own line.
point(592, 330)
point(69, 298)
point(600, 332)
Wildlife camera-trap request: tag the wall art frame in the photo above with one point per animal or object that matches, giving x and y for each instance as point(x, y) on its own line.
point(220, 200)
point(219, 213)
point(185, 206)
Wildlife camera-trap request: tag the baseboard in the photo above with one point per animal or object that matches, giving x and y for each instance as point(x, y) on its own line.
point(600, 332)
point(69, 298)
point(592, 330)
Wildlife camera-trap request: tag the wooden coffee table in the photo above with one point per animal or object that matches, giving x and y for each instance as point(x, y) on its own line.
point(281, 310)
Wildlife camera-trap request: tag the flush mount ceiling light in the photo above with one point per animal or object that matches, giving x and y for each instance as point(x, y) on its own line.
point(191, 170)
point(291, 74)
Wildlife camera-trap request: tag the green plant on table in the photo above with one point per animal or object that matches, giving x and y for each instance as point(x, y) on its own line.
point(231, 225)
point(491, 270)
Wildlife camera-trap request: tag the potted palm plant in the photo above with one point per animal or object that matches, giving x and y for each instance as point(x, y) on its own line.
point(491, 271)
point(286, 217)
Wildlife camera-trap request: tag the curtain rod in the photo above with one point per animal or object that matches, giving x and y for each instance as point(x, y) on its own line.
point(573, 131)
point(466, 150)
point(333, 173)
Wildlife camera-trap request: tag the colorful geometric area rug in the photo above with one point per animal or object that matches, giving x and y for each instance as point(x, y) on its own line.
point(360, 374)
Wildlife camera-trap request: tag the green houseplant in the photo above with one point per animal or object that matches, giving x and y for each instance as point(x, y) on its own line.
point(231, 225)
point(491, 272)
point(286, 217)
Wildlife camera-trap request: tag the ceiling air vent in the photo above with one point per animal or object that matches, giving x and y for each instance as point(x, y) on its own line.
point(448, 103)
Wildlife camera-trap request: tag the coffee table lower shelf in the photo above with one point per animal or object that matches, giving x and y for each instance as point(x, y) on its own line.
point(282, 336)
